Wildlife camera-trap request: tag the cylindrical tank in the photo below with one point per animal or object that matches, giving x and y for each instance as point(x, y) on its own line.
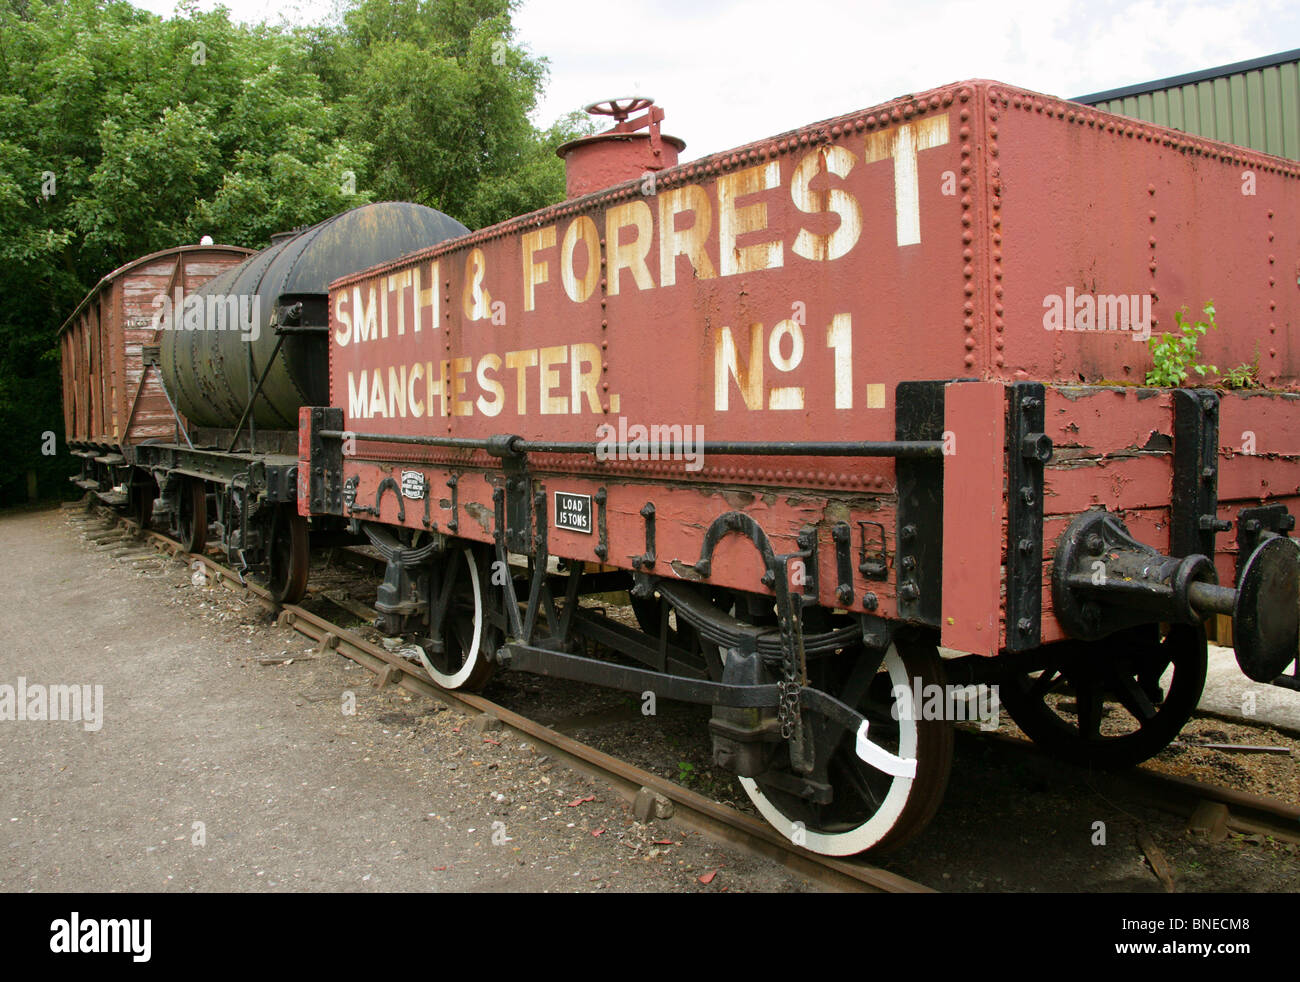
point(621, 153)
point(211, 361)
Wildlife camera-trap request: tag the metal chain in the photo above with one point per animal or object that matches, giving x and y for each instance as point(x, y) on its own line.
point(788, 707)
point(790, 684)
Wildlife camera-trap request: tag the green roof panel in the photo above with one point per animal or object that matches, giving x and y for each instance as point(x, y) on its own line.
point(1253, 104)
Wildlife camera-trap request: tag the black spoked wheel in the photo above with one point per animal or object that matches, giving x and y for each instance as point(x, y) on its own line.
point(463, 652)
point(874, 806)
point(140, 494)
point(192, 516)
point(1111, 703)
point(289, 555)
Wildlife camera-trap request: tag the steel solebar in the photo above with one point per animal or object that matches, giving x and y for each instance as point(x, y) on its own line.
point(518, 445)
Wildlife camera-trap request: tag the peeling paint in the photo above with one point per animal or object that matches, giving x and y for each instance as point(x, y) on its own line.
point(738, 499)
point(481, 514)
point(685, 570)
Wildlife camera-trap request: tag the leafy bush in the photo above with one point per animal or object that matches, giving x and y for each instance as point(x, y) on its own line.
point(1174, 354)
point(159, 131)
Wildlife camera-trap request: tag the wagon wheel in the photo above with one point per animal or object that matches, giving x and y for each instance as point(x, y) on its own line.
point(1113, 703)
point(192, 517)
point(462, 655)
point(289, 555)
point(869, 809)
point(141, 490)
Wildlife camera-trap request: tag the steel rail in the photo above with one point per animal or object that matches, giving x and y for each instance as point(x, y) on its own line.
point(694, 811)
point(1247, 812)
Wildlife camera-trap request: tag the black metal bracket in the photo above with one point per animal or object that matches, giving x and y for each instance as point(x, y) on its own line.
point(325, 478)
point(643, 585)
point(807, 555)
point(647, 559)
point(539, 534)
point(736, 521)
point(519, 515)
point(538, 591)
point(279, 482)
point(918, 415)
point(842, 536)
point(873, 563)
point(404, 598)
point(744, 740)
point(515, 622)
point(453, 484)
point(602, 532)
point(789, 618)
point(1256, 524)
point(876, 631)
point(388, 484)
point(1195, 498)
point(571, 588)
point(1028, 449)
point(518, 491)
point(1104, 580)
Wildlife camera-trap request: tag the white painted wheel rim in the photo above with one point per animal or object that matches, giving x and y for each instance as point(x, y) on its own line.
point(456, 680)
point(875, 828)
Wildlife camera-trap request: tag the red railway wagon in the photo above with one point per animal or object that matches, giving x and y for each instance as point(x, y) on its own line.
point(829, 401)
point(113, 395)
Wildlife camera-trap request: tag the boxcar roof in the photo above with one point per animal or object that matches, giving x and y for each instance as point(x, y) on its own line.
point(134, 263)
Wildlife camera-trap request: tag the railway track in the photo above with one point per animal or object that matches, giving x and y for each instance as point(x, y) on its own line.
point(1247, 813)
point(691, 810)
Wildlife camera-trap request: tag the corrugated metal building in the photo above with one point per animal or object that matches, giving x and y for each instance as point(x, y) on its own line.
point(1253, 103)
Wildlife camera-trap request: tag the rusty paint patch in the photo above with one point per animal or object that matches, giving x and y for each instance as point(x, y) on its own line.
point(686, 571)
point(480, 513)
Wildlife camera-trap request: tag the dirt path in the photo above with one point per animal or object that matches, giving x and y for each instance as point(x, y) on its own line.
point(291, 792)
point(294, 793)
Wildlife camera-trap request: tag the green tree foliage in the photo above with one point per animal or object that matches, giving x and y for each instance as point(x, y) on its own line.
point(122, 133)
point(451, 71)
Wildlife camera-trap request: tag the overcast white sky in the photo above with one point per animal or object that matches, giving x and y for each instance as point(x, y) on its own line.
point(731, 71)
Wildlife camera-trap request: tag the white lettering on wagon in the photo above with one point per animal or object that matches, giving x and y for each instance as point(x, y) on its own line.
point(724, 227)
point(902, 144)
point(731, 213)
point(785, 347)
point(363, 313)
point(566, 381)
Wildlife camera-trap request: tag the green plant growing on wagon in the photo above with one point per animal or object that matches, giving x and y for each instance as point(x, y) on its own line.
point(1244, 376)
point(1175, 355)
